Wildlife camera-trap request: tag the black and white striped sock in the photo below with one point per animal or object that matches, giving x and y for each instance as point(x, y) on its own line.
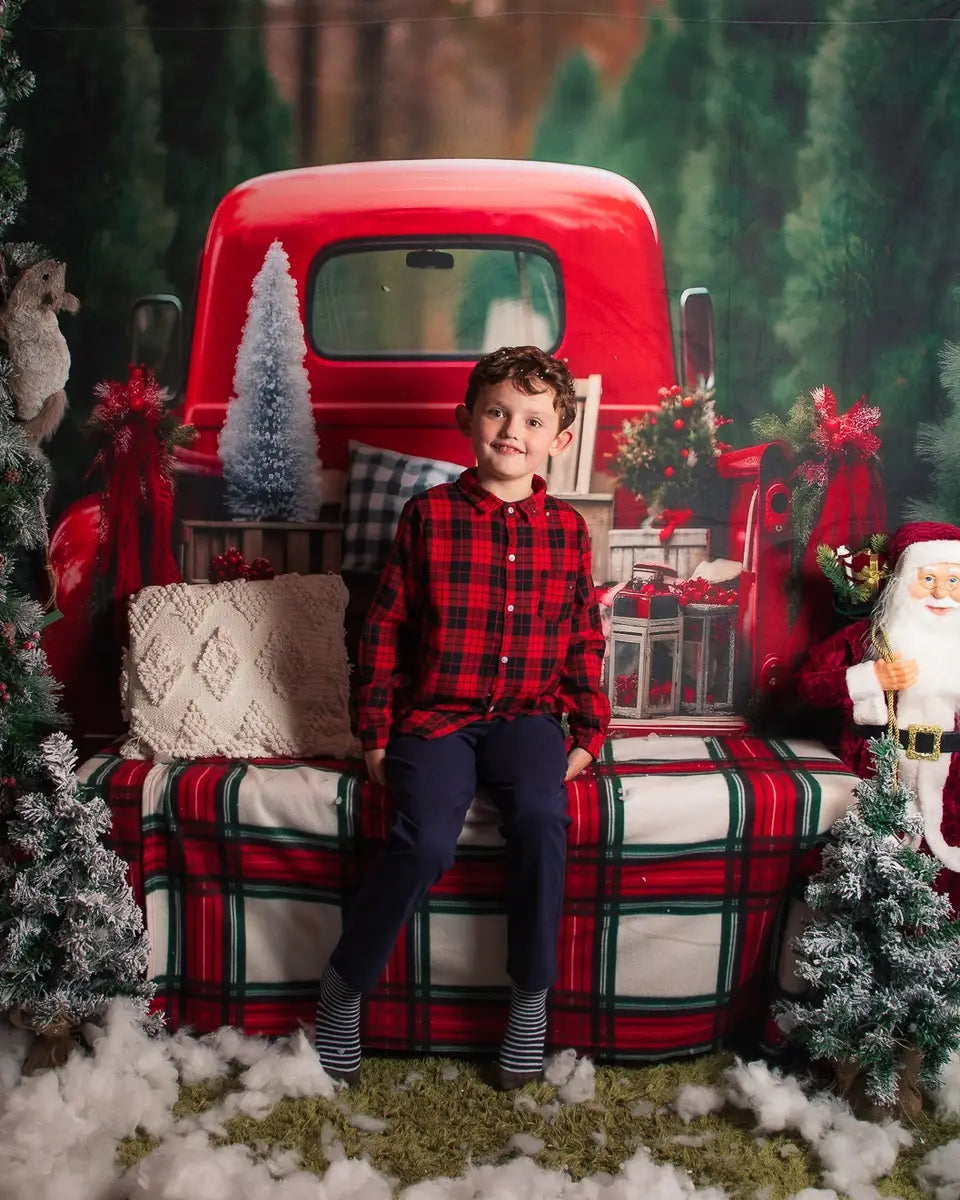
point(522, 1048)
point(337, 1038)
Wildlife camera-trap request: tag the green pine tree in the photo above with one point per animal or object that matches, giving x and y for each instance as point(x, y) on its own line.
point(564, 131)
point(221, 119)
point(94, 166)
point(881, 954)
point(736, 187)
point(659, 118)
point(938, 445)
point(71, 935)
point(873, 256)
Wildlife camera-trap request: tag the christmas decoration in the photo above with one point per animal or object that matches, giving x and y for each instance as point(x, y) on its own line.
point(880, 953)
point(668, 457)
point(69, 941)
point(856, 575)
point(137, 435)
point(39, 356)
point(268, 443)
point(71, 933)
point(836, 499)
point(232, 565)
point(643, 669)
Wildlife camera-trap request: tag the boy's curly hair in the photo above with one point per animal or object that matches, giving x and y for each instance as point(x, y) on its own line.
point(529, 368)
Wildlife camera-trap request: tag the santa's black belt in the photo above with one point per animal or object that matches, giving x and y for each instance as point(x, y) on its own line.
point(920, 741)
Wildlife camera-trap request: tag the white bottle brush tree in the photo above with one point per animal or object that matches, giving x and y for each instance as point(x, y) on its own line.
point(268, 444)
point(881, 954)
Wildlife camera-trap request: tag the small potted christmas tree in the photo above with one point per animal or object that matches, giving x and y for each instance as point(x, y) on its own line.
point(881, 953)
point(667, 459)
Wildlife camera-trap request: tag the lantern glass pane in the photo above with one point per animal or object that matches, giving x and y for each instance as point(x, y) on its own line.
point(692, 658)
point(663, 653)
point(719, 659)
point(626, 668)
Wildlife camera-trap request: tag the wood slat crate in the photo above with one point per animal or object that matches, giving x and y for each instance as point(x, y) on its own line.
point(309, 547)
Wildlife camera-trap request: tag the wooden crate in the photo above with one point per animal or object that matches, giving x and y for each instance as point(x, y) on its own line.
point(308, 547)
point(685, 551)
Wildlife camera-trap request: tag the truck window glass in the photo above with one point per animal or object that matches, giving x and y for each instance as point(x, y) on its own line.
point(433, 298)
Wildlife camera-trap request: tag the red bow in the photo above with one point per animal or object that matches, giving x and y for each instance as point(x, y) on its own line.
point(833, 435)
point(671, 519)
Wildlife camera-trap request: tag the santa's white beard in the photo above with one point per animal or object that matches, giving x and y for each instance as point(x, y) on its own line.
point(933, 642)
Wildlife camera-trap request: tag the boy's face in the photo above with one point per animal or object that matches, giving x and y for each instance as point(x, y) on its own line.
point(512, 434)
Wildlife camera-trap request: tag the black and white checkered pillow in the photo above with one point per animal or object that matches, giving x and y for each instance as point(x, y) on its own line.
point(379, 483)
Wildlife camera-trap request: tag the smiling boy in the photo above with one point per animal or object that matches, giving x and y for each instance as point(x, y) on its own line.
point(484, 631)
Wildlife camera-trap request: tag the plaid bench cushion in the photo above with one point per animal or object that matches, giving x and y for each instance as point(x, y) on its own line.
point(682, 854)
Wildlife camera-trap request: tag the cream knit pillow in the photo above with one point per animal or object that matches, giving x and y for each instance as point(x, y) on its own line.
point(243, 669)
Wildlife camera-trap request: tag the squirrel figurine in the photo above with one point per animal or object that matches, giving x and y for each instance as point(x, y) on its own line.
point(36, 346)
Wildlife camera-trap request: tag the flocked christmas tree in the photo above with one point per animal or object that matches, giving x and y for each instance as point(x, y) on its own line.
point(881, 953)
point(268, 444)
point(71, 935)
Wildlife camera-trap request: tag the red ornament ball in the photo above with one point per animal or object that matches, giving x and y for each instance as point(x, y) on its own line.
point(668, 471)
point(678, 423)
point(684, 453)
point(687, 401)
point(261, 568)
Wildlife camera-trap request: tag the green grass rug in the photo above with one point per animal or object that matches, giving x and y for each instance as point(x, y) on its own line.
point(423, 1119)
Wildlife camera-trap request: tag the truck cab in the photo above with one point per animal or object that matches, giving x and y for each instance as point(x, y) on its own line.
point(406, 273)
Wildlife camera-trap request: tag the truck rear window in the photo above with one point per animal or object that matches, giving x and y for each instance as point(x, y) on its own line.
point(433, 298)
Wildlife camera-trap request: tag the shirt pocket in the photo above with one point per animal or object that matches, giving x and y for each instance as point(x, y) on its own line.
point(558, 591)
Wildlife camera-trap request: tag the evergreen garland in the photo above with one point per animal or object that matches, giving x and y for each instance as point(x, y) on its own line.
point(881, 953)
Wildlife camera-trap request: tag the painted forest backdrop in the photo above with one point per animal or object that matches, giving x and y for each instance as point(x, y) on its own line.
point(799, 156)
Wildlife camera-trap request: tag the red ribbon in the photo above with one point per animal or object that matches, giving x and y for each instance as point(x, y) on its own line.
point(136, 464)
point(672, 519)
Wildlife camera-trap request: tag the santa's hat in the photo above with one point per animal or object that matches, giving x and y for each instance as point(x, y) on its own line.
point(920, 542)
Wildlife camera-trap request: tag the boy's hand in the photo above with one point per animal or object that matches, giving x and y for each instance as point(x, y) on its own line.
point(577, 759)
point(373, 760)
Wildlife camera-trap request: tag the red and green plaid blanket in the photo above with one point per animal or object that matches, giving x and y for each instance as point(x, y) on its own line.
point(683, 852)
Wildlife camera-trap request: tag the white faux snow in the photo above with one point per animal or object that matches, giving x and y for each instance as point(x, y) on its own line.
point(59, 1130)
point(695, 1100)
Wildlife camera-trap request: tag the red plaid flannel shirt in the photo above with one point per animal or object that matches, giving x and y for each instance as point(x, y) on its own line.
point(486, 608)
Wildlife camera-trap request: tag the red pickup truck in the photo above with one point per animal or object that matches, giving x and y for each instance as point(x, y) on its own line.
point(406, 273)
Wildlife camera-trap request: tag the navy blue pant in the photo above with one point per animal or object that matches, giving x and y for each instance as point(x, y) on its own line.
point(520, 765)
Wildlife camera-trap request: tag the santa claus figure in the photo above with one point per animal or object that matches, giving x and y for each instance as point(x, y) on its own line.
point(910, 648)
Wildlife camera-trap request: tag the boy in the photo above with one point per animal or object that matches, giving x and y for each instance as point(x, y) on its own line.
point(483, 630)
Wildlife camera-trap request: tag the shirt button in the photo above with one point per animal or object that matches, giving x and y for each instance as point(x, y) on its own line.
point(504, 659)
point(510, 508)
point(511, 558)
point(509, 608)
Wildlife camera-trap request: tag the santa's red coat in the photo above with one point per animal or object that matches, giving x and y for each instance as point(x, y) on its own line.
point(822, 683)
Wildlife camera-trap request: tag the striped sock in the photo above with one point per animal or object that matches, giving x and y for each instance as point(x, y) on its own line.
point(337, 1039)
point(522, 1048)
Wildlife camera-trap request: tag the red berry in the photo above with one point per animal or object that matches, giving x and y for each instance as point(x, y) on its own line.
point(684, 453)
point(687, 401)
point(668, 471)
point(678, 423)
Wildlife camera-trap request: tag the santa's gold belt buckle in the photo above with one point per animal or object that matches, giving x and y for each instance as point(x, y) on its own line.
point(935, 732)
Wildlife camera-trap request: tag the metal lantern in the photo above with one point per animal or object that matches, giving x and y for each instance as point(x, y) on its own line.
point(643, 672)
point(708, 655)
